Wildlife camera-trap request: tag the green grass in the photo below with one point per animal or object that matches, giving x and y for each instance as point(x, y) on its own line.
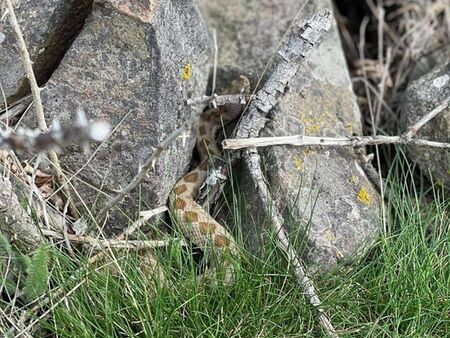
point(401, 288)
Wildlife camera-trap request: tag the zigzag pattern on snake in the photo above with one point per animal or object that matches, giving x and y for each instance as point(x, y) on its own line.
point(195, 223)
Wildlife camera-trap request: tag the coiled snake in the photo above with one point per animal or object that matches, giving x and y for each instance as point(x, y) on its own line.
point(194, 222)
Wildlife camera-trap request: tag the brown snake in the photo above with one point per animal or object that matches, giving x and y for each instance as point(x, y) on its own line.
point(194, 222)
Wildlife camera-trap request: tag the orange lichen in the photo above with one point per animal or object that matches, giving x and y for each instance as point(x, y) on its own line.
point(364, 196)
point(187, 72)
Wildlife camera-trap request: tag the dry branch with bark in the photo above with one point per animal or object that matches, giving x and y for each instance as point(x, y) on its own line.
point(302, 40)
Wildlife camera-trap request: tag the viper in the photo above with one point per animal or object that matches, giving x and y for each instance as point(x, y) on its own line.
point(196, 224)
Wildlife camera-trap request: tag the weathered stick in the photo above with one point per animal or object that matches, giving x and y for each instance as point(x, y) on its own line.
point(252, 162)
point(301, 42)
point(221, 100)
point(99, 244)
point(412, 130)
point(352, 141)
point(144, 216)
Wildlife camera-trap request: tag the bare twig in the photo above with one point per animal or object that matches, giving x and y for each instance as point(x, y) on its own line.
point(221, 100)
point(27, 63)
point(353, 141)
point(143, 171)
point(99, 244)
point(412, 130)
point(36, 91)
point(144, 216)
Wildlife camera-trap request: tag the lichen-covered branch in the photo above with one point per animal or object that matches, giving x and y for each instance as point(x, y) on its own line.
point(306, 36)
point(252, 162)
point(300, 43)
point(302, 40)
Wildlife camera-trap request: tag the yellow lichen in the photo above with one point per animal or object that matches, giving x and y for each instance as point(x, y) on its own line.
point(312, 125)
point(298, 163)
point(187, 72)
point(354, 179)
point(349, 128)
point(364, 196)
point(312, 129)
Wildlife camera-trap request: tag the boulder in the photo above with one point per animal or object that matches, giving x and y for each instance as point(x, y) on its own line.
point(134, 64)
point(48, 27)
point(330, 208)
point(422, 96)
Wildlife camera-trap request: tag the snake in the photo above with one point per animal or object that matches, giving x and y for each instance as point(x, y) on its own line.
point(195, 223)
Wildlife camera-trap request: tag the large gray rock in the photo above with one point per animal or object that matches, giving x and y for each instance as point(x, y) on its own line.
point(325, 197)
point(133, 65)
point(48, 27)
point(247, 33)
point(422, 96)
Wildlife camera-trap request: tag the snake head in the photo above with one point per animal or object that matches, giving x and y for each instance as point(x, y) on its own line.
point(241, 85)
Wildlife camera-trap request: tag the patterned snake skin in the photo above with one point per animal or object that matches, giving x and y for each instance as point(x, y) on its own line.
point(195, 223)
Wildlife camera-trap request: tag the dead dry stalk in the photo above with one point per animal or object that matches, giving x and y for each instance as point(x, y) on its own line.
point(303, 39)
point(36, 91)
point(353, 141)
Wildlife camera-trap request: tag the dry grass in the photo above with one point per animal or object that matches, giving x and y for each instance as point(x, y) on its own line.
point(384, 41)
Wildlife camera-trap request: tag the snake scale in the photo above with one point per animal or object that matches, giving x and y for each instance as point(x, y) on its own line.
point(194, 221)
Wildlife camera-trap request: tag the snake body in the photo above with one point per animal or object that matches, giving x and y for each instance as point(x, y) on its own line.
point(194, 222)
